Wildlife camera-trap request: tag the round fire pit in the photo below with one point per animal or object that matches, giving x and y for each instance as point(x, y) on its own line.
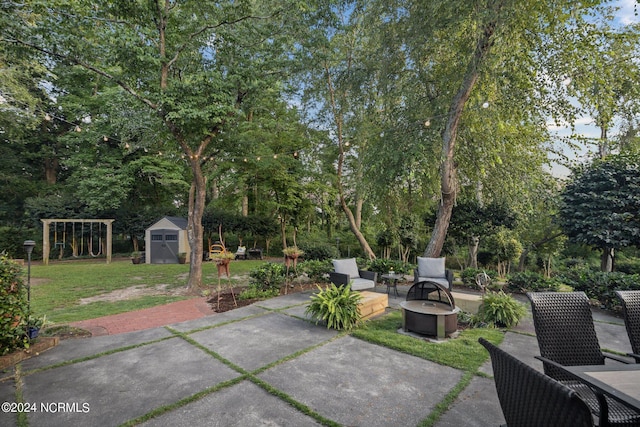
point(429, 310)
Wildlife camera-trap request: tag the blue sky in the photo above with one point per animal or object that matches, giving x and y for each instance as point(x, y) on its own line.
point(584, 126)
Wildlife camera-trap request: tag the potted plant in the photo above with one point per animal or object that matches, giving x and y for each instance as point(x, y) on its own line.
point(34, 324)
point(182, 257)
point(135, 257)
point(292, 253)
point(222, 260)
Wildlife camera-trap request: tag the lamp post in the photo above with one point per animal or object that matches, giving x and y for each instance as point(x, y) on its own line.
point(28, 248)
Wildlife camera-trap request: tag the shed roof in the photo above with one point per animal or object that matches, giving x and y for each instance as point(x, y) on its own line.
point(179, 222)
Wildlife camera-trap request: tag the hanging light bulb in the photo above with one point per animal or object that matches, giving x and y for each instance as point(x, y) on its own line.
point(275, 156)
point(485, 104)
point(78, 129)
point(47, 117)
point(105, 139)
point(427, 123)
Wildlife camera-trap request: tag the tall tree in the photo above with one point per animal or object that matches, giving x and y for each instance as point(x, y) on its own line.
point(601, 205)
point(191, 63)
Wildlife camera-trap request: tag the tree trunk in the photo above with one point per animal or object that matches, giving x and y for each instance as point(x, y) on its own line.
point(474, 243)
point(606, 260)
point(448, 182)
point(353, 224)
point(195, 231)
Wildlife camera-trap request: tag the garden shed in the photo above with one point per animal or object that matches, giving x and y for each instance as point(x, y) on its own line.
point(165, 239)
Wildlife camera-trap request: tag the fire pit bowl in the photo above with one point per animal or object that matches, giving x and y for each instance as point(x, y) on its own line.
point(429, 310)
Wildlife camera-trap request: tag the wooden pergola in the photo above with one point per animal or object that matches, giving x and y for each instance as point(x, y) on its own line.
point(46, 247)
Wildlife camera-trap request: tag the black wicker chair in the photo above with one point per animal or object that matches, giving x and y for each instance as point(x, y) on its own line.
point(566, 336)
point(530, 398)
point(631, 309)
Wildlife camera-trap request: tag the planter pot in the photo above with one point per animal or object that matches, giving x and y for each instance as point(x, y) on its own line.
point(135, 260)
point(33, 332)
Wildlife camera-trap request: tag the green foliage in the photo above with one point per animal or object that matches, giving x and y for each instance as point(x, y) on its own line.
point(383, 266)
point(13, 307)
point(468, 276)
point(255, 291)
point(601, 204)
point(336, 306)
point(316, 270)
point(500, 309)
point(319, 251)
point(531, 281)
point(600, 285)
point(463, 353)
point(269, 276)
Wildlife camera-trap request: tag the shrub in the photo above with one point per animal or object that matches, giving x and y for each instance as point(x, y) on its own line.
point(268, 276)
point(316, 270)
point(600, 285)
point(530, 281)
point(319, 251)
point(468, 276)
point(336, 306)
point(628, 266)
point(500, 309)
point(255, 291)
point(14, 307)
point(383, 266)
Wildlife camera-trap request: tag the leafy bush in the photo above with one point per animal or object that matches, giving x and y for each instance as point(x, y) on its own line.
point(319, 251)
point(599, 285)
point(530, 281)
point(500, 309)
point(13, 307)
point(316, 270)
point(337, 306)
point(383, 266)
point(268, 276)
point(468, 276)
point(255, 291)
point(628, 265)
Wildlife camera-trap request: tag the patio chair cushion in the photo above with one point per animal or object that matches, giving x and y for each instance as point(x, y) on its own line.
point(431, 268)
point(346, 266)
point(359, 284)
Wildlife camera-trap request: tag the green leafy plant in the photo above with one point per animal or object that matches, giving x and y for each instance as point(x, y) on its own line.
point(256, 292)
point(500, 309)
point(14, 307)
point(292, 251)
point(317, 271)
point(336, 306)
point(268, 276)
point(383, 266)
point(530, 281)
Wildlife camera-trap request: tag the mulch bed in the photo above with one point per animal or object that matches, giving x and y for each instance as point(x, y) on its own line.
point(227, 303)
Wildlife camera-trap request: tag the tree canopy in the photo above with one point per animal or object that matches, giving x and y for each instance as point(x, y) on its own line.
point(601, 205)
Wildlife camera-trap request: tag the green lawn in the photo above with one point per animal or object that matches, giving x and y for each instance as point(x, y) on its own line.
point(57, 288)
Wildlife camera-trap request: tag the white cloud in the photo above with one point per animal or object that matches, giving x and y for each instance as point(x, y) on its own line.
point(626, 14)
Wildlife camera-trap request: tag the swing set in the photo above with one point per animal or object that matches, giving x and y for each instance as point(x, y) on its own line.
point(81, 235)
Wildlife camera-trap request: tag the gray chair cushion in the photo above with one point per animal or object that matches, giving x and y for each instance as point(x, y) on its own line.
point(431, 268)
point(359, 284)
point(346, 266)
point(439, 280)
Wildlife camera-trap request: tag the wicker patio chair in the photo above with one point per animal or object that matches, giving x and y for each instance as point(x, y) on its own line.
point(530, 398)
point(566, 336)
point(631, 310)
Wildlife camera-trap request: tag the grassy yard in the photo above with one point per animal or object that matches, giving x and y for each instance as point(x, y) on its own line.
point(57, 289)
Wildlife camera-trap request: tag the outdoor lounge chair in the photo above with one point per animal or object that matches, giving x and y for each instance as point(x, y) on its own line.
point(345, 272)
point(631, 309)
point(530, 398)
point(433, 270)
point(566, 336)
point(241, 253)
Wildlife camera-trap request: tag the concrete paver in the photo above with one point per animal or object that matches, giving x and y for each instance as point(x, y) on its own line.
point(244, 367)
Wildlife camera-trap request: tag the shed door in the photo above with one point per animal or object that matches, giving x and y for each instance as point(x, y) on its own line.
point(164, 246)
